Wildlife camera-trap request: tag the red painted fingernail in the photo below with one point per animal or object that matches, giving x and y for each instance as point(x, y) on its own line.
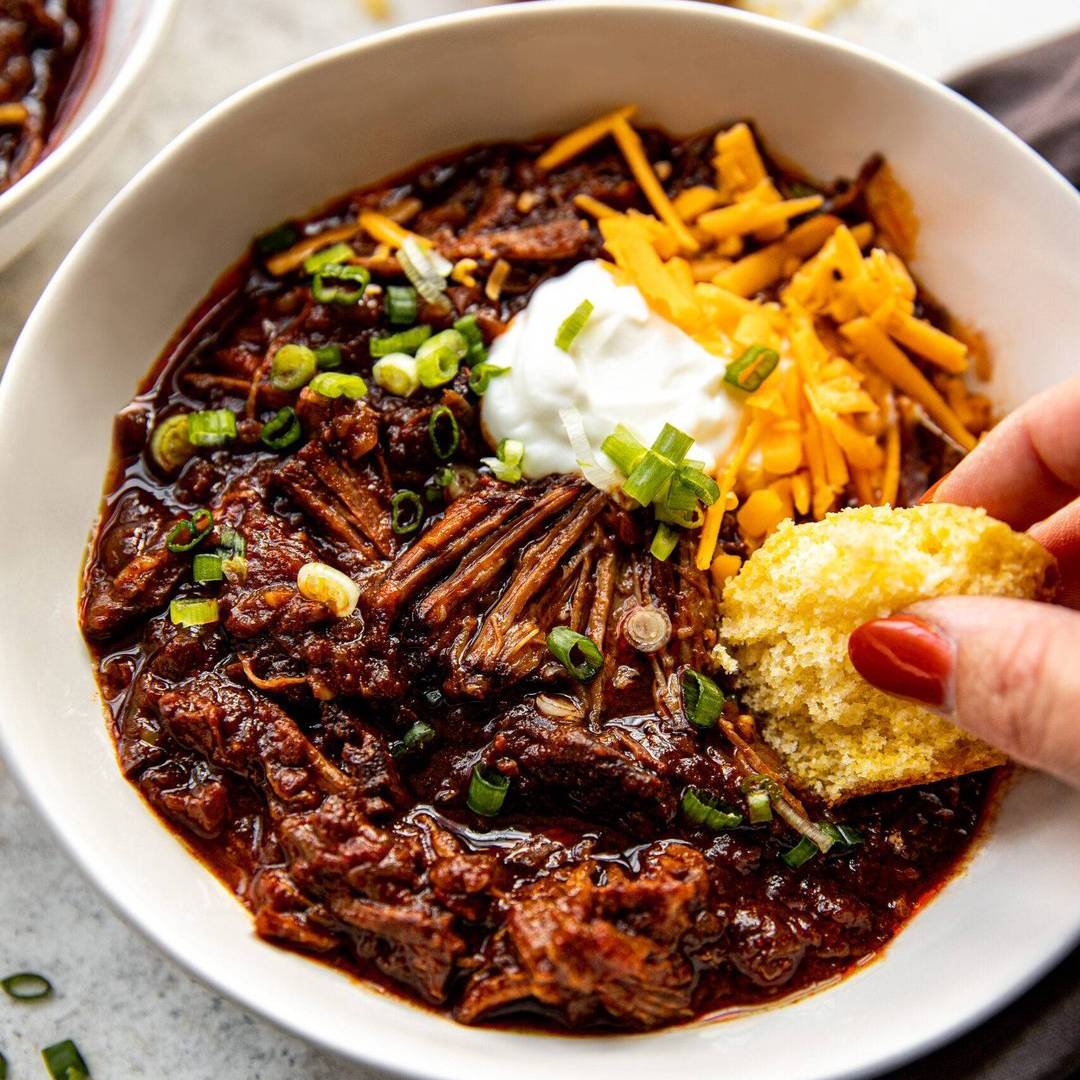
point(928, 495)
point(906, 656)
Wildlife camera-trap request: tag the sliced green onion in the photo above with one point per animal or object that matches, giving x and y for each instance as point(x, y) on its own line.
point(337, 253)
point(481, 375)
point(470, 330)
point(328, 357)
point(231, 542)
point(170, 446)
point(401, 304)
point(406, 512)
point(648, 477)
point(673, 444)
point(418, 736)
point(578, 654)
point(188, 534)
point(487, 791)
point(333, 384)
point(443, 431)
point(189, 612)
point(697, 483)
point(282, 430)
point(280, 238)
point(214, 427)
point(702, 699)
point(206, 568)
point(801, 853)
point(664, 542)
point(684, 519)
point(752, 368)
point(426, 269)
point(506, 465)
point(845, 835)
point(293, 366)
point(406, 341)
point(572, 325)
point(326, 294)
point(703, 808)
point(759, 807)
point(623, 449)
point(438, 358)
point(64, 1061)
point(27, 986)
point(397, 374)
point(327, 585)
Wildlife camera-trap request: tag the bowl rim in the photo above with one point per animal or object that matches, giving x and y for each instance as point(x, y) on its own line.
point(77, 132)
point(381, 1055)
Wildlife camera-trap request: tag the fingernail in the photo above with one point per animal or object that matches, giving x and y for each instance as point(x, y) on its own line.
point(905, 656)
point(928, 495)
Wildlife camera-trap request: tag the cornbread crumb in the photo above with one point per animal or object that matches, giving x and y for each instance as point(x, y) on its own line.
point(788, 614)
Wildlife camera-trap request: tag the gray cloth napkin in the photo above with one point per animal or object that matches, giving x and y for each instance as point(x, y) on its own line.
point(1036, 93)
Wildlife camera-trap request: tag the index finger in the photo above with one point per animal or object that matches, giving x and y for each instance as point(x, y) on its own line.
point(1028, 467)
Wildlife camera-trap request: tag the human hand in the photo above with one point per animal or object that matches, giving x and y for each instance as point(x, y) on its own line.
point(1006, 670)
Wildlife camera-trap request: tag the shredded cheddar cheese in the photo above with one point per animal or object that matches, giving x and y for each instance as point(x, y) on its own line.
point(577, 142)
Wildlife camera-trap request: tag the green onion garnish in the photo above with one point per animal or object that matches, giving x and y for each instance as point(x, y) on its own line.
point(752, 368)
point(64, 1061)
point(277, 239)
point(418, 736)
point(470, 330)
point(443, 431)
point(401, 304)
point(333, 384)
point(170, 446)
point(487, 791)
point(801, 853)
point(667, 536)
point(481, 375)
point(231, 542)
point(845, 835)
point(703, 808)
point(694, 485)
point(438, 358)
point(572, 325)
point(648, 477)
point(506, 465)
point(672, 443)
point(206, 568)
point(26, 986)
point(189, 612)
point(215, 427)
point(397, 374)
point(406, 341)
point(702, 699)
point(328, 357)
point(282, 430)
point(188, 534)
point(759, 807)
point(326, 294)
point(336, 253)
point(578, 654)
point(623, 449)
point(293, 366)
point(406, 512)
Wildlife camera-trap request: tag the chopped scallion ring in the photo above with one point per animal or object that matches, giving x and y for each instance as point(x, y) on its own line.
point(759, 807)
point(327, 585)
point(190, 612)
point(481, 375)
point(64, 1061)
point(214, 427)
point(397, 374)
point(282, 430)
point(751, 369)
point(406, 341)
point(333, 384)
point(293, 366)
point(702, 699)
point(702, 807)
point(277, 239)
point(487, 791)
point(326, 294)
point(470, 330)
point(337, 253)
point(26, 986)
point(506, 465)
point(577, 653)
point(697, 483)
point(401, 304)
point(673, 444)
point(572, 325)
point(231, 542)
point(426, 269)
point(328, 357)
point(170, 446)
point(664, 542)
point(438, 358)
point(417, 737)
point(406, 512)
point(443, 431)
point(623, 449)
point(648, 477)
point(801, 853)
point(206, 569)
point(844, 835)
point(188, 534)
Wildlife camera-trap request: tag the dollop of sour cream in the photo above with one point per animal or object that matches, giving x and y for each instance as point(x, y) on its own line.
point(628, 366)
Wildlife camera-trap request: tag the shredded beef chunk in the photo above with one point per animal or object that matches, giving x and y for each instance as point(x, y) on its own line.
point(321, 756)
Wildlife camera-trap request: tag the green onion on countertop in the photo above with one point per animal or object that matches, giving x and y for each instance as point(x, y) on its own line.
point(64, 1061)
point(26, 986)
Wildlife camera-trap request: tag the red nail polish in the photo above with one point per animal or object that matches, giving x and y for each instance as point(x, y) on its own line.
point(928, 495)
point(906, 656)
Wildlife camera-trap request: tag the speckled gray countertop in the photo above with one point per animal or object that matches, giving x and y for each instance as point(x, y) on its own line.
point(133, 1012)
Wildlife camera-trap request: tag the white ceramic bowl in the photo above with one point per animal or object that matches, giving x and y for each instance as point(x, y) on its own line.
point(131, 32)
point(999, 242)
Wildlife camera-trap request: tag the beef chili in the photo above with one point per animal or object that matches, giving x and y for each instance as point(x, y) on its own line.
point(448, 730)
point(46, 49)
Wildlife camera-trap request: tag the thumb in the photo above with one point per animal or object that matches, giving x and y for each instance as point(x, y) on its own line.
point(1008, 671)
